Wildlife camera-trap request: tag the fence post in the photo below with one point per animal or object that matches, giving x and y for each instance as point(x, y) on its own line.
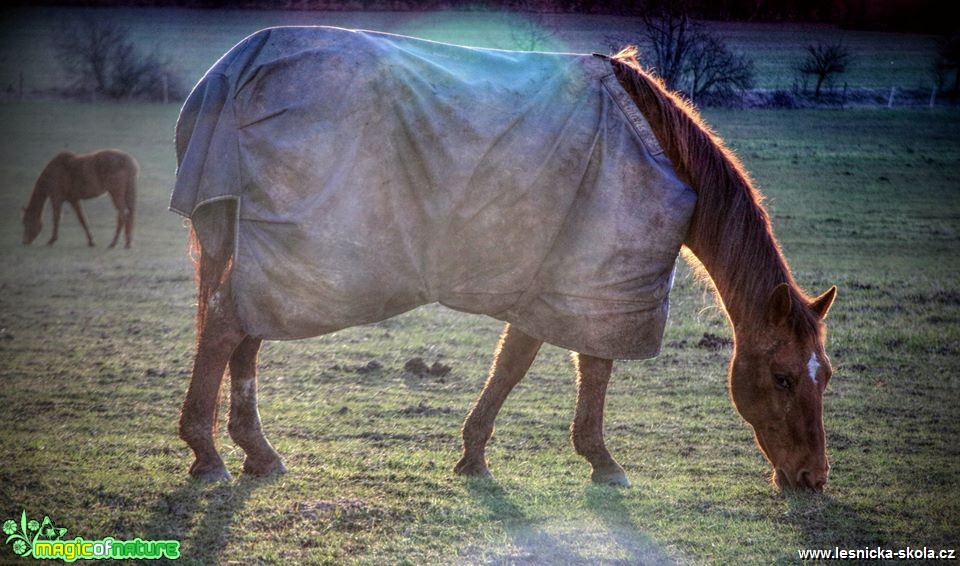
point(893, 91)
point(933, 96)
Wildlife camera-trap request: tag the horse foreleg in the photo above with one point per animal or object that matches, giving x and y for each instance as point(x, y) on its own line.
point(57, 208)
point(245, 428)
point(514, 354)
point(219, 337)
point(116, 233)
point(128, 227)
point(83, 221)
point(593, 375)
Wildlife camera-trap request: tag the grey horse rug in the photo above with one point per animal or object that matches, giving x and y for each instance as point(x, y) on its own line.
point(373, 173)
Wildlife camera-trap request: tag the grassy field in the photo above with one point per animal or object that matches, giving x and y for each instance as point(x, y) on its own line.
point(194, 39)
point(96, 346)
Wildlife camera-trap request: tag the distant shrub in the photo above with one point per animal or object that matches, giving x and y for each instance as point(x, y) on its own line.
point(946, 64)
point(782, 99)
point(100, 57)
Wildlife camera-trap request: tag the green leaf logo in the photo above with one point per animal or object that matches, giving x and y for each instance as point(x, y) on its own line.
point(27, 532)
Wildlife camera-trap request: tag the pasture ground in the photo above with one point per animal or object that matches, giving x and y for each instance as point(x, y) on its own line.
point(96, 347)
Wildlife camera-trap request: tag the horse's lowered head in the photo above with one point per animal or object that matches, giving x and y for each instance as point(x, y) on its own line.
point(32, 225)
point(778, 376)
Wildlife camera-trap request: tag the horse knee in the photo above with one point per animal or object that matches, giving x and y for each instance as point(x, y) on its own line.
point(244, 430)
point(193, 431)
point(474, 433)
point(587, 444)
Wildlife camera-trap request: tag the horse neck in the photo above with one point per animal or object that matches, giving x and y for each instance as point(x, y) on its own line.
point(41, 191)
point(741, 257)
point(730, 231)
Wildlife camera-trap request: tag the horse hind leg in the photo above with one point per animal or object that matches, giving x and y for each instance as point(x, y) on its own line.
point(220, 334)
point(131, 202)
point(245, 428)
point(123, 195)
point(514, 355)
point(593, 375)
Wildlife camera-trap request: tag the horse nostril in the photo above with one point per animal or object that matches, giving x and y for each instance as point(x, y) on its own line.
point(781, 478)
point(807, 480)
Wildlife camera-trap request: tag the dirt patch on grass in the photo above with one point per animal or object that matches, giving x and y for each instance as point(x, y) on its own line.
point(418, 367)
point(946, 297)
point(422, 408)
point(345, 514)
point(369, 367)
point(713, 342)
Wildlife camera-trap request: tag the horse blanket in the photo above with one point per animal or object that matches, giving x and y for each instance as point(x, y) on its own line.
point(373, 173)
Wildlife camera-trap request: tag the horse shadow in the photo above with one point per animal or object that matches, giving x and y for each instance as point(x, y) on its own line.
point(826, 522)
point(531, 543)
point(607, 503)
point(201, 516)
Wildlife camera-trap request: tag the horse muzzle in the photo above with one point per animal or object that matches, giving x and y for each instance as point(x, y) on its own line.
point(802, 480)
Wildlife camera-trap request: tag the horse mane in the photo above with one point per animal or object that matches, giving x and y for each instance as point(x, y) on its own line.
point(730, 232)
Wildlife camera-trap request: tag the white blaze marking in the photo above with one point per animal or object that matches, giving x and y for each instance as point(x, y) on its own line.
point(812, 366)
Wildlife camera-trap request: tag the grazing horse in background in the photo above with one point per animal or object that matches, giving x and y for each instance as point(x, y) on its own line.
point(71, 178)
point(335, 178)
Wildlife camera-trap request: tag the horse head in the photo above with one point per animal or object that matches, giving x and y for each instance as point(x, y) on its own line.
point(778, 375)
point(31, 226)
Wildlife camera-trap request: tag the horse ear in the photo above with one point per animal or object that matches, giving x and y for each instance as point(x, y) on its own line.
point(821, 305)
point(779, 305)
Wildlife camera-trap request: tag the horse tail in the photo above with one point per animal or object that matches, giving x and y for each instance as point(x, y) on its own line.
point(211, 249)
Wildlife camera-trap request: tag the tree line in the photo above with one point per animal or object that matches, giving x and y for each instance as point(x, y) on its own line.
point(929, 16)
point(101, 60)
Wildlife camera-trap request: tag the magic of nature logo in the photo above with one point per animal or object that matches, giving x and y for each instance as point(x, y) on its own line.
point(44, 540)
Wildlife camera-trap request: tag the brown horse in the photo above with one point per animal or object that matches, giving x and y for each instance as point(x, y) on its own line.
point(71, 178)
point(779, 370)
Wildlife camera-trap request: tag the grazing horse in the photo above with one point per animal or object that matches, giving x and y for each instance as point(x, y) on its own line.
point(71, 178)
point(336, 178)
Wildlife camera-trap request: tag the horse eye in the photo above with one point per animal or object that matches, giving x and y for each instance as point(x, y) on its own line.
point(782, 380)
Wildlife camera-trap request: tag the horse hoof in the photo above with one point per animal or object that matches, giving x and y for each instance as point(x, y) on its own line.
point(472, 468)
point(616, 477)
point(211, 474)
point(254, 469)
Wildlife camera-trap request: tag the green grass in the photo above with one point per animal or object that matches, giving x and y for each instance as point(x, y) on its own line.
point(97, 345)
point(195, 39)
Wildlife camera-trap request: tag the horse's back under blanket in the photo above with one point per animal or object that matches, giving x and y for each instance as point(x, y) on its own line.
point(374, 173)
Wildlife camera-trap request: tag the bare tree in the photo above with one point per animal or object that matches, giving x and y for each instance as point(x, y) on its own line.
point(824, 61)
point(100, 57)
point(714, 68)
point(530, 31)
point(670, 35)
point(947, 62)
point(686, 56)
